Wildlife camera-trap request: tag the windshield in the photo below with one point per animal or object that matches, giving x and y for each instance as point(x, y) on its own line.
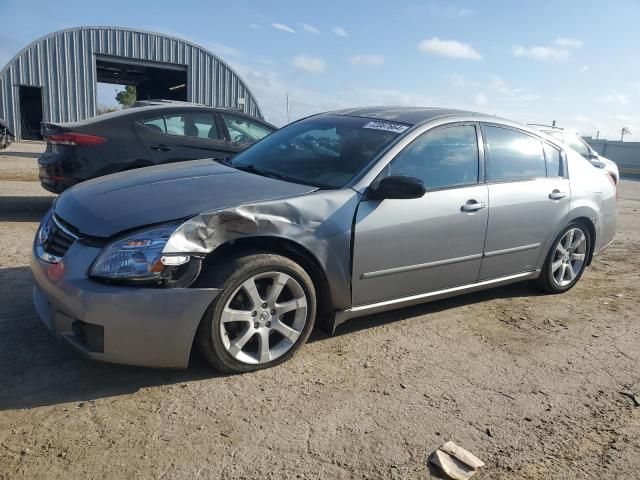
point(325, 151)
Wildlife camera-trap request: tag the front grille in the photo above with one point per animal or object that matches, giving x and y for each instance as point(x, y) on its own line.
point(58, 240)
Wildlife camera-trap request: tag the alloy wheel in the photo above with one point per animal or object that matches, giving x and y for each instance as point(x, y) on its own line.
point(263, 318)
point(569, 257)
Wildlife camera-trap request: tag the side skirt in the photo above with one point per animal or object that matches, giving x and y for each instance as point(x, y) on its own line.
point(342, 316)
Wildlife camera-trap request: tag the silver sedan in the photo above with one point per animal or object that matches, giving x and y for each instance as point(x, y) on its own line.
point(335, 216)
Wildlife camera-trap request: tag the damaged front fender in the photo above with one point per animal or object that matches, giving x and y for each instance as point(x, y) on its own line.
point(320, 221)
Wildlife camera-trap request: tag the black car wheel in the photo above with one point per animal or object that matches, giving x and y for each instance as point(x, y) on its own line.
point(264, 313)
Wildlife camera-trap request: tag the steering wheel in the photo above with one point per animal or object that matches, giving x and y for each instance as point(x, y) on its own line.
point(241, 138)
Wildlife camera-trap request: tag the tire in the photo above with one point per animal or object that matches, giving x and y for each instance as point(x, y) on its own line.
point(229, 345)
point(561, 271)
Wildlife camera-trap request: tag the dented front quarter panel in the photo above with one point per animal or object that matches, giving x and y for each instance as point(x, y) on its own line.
point(320, 221)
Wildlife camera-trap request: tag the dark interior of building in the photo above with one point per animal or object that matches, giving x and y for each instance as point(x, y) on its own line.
point(30, 111)
point(151, 82)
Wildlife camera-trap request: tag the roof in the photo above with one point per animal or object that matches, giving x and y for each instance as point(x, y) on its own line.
point(408, 115)
point(147, 111)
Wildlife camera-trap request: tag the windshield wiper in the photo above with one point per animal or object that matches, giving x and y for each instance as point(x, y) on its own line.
point(265, 173)
point(226, 161)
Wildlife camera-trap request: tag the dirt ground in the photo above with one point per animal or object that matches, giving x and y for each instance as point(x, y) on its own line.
point(529, 383)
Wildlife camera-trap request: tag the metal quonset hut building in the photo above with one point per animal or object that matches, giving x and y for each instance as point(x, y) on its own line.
point(54, 79)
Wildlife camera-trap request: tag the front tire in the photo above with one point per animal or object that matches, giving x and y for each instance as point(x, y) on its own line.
point(566, 261)
point(263, 315)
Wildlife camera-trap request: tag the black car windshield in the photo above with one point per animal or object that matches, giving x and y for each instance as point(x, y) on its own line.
point(325, 151)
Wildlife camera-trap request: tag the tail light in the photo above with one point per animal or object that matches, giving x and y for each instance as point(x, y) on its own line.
point(75, 138)
point(613, 183)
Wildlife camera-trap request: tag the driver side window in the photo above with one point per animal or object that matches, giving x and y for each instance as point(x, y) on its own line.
point(441, 158)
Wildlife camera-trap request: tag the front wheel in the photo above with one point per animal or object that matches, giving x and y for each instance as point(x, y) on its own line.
point(566, 260)
point(264, 313)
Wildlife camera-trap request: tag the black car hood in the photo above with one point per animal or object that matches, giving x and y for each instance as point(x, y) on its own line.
point(109, 205)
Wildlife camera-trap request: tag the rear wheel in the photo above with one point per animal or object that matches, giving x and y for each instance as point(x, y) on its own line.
point(262, 316)
point(566, 260)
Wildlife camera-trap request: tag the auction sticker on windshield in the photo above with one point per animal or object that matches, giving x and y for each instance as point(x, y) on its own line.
point(388, 126)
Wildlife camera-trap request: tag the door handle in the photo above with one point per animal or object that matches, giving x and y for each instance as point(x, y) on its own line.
point(473, 206)
point(160, 148)
point(557, 195)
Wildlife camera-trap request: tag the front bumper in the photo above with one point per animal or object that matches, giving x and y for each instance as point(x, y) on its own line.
point(142, 326)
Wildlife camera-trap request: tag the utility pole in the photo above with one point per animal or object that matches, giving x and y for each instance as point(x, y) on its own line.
point(288, 120)
point(597, 134)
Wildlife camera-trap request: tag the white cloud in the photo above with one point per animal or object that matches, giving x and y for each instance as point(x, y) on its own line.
point(558, 52)
point(255, 26)
point(370, 60)
point(271, 88)
point(309, 64)
point(378, 96)
point(510, 94)
point(424, 10)
point(568, 42)
point(283, 27)
point(555, 54)
point(449, 48)
point(310, 28)
point(614, 96)
point(480, 100)
point(585, 68)
point(458, 12)
point(341, 32)
point(221, 49)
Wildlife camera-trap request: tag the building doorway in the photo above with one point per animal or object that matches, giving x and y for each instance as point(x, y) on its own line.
point(30, 111)
point(153, 81)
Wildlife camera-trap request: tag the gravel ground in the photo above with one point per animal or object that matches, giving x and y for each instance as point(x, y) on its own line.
point(529, 383)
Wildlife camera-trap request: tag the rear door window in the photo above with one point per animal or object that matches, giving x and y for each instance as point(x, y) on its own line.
point(554, 161)
point(513, 156)
point(242, 130)
point(192, 124)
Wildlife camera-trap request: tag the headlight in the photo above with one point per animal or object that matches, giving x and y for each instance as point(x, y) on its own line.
point(138, 258)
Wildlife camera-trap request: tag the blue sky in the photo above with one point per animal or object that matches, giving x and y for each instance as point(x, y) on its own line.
point(577, 62)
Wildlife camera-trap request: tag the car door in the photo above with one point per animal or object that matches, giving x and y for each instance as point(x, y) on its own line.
point(182, 135)
point(412, 246)
point(528, 200)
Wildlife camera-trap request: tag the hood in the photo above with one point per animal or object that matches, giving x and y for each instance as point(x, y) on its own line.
point(108, 205)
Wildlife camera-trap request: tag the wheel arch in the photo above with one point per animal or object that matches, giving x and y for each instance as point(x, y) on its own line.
point(287, 248)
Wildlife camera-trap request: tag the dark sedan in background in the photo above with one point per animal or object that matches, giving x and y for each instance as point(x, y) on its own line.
point(140, 137)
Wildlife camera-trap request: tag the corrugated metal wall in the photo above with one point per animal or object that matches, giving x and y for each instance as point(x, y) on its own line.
point(63, 64)
point(625, 154)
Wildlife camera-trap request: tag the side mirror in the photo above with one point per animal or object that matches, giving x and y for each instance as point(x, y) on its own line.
point(593, 156)
point(398, 187)
point(597, 163)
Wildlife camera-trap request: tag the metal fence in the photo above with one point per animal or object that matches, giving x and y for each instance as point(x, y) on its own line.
point(625, 154)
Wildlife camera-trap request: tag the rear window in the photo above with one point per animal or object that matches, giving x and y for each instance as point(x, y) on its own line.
point(513, 155)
